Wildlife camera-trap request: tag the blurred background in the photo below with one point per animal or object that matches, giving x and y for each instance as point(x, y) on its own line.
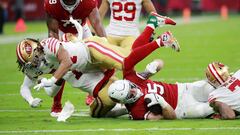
point(33, 9)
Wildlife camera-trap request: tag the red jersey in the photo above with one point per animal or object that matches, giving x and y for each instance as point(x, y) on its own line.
point(138, 109)
point(80, 13)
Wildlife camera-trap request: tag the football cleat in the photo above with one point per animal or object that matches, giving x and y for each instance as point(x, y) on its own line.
point(158, 20)
point(168, 40)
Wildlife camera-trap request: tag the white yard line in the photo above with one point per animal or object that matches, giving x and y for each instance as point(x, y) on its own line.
point(116, 130)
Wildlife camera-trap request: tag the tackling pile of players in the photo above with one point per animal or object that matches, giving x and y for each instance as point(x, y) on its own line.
point(89, 62)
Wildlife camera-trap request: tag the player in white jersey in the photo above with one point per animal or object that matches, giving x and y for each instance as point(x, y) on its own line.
point(124, 19)
point(225, 99)
point(79, 57)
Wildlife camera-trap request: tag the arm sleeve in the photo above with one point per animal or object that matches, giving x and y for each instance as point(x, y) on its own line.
point(25, 89)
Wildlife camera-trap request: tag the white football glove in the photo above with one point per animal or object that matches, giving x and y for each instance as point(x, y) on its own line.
point(45, 83)
point(66, 112)
point(155, 99)
point(35, 102)
point(152, 67)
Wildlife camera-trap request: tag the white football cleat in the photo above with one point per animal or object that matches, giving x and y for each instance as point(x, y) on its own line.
point(168, 40)
point(36, 102)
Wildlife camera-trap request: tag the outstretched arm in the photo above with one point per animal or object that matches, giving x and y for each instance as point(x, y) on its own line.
point(103, 9)
point(225, 111)
point(96, 22)
point(148, 6)
point(52, 25)
point(152, 68)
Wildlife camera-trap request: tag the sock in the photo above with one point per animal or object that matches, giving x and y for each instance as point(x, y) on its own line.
point(143, 38)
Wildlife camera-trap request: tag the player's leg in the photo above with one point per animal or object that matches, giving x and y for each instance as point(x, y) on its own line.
point(114, 40)
point(198, 110)
point(127, 42)
point(57, 105)
point(102, 104)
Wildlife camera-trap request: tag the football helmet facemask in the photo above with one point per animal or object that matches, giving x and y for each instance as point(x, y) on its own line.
point(29, 54)
point(217, 74)
point(123, 91)
point(69, 5)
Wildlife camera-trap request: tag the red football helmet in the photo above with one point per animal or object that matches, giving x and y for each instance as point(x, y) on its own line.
point(217, 73)
point(69, 5)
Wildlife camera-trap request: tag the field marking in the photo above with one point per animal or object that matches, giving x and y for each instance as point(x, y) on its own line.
point(43, 110)
point(115, 130)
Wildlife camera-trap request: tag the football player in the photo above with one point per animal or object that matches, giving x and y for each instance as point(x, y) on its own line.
point(59, 12)
point(225, 99)
point(92, 55)
point(124, 19)
point(58, 22)
point(152, 100)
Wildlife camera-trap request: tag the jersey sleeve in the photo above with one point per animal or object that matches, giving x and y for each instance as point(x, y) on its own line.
point(51, 46)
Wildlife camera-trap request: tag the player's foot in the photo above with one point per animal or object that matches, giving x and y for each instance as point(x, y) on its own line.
point(56, 109)
point(89, 99)
point(158, 20)
point(168, 40)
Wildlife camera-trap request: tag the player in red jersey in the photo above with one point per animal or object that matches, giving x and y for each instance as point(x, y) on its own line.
point(59, 12)
point(153, 100)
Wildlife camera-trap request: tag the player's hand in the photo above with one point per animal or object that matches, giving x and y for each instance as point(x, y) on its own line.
point(45, 83)
point(153, 99)
point(35, 102)
point(152, 67)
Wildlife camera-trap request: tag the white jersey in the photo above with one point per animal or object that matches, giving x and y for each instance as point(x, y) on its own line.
point(229, 93)
point(192, 100)
point(83, 75)
point(124, 19)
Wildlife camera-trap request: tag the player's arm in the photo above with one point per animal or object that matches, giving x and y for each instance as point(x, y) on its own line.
point(52, 25)
point(225, 111)
point(25, 92)
point(158, 108)
point(96, 22)
point(65, 63)
point(148, 6)
point(152, 68)
point(103, 9)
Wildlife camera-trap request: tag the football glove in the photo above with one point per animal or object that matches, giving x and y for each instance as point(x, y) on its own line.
point(45, 83)
point(35, 102)
point(153, 99)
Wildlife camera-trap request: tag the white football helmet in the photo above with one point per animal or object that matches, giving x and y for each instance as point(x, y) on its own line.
point(217, 74)
point(124, 91)
point(69, 5)
point(29, 54)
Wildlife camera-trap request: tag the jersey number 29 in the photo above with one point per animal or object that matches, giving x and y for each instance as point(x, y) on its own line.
point(129, 9)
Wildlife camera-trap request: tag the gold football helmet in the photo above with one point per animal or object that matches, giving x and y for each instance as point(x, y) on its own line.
point(217, 74)
point(29, 53)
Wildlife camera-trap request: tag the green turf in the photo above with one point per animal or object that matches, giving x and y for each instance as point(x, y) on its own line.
point(201, 43)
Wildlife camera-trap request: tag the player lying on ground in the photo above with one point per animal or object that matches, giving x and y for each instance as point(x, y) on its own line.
point(72, 59)
point(225, 99)
point(154, 100)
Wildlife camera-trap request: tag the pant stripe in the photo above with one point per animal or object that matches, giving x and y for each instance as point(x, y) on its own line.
point(106, 51)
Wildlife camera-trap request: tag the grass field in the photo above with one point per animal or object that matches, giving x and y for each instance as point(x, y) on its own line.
point(201, 43)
